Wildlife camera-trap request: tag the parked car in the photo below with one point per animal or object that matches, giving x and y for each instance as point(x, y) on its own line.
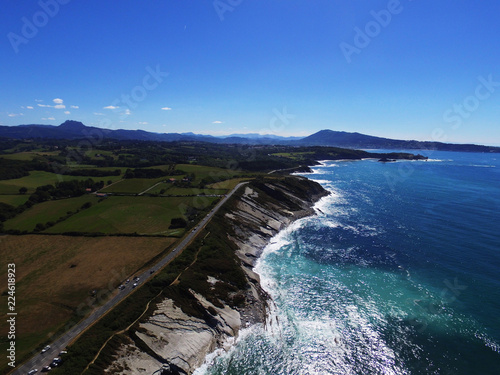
point(46, 369)
point(46, 349)
point(135, 284)
point(34, 371)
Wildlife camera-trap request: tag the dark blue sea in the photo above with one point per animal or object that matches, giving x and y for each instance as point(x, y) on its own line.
point(398, 273)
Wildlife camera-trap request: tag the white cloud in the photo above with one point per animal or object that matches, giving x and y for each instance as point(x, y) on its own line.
point(57, 106)
point(99, 114)
point(29, 107)
point(48, 118)
point(143, 123)
point(58, 101)
point(15, 114)
point(38, 100)
point(217, 122)
point(111, 107)
point(166, 109)
point(74, 106)
point(67, 112)
point(127, 112)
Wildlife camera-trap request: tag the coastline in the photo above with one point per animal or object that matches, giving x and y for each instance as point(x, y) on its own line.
point(181, 342)
point(250, 254)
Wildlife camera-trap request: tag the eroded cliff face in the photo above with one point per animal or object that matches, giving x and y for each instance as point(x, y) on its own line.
point(172, 338)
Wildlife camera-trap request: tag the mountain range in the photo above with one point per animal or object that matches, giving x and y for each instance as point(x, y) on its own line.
point(76, 130)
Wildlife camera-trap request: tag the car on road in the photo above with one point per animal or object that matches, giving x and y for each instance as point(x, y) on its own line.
point(63, 352)
point(121, 287)
point(47, 348)
point(34, 371)
point(135, 284)
point(46, 369)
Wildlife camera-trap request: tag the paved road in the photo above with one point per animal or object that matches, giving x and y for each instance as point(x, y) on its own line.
point(40, 360)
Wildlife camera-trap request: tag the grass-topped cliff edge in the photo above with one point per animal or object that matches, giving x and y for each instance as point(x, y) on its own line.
point(212, 276)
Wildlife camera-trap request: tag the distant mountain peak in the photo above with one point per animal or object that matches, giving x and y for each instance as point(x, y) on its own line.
point(71, 124)
point(71, 129)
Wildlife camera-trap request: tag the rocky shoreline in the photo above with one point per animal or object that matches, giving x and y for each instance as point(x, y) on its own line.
point(172, 339)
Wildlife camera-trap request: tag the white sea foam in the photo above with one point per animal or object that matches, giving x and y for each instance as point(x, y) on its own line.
point(322, 181)
point(229, 346)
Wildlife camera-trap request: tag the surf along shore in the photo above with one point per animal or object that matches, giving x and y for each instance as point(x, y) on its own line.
point(216, 292)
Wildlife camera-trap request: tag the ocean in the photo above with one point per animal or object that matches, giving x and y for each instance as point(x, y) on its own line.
point(398, 273)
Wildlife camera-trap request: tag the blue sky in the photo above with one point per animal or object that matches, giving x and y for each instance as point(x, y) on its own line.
point(426, 70)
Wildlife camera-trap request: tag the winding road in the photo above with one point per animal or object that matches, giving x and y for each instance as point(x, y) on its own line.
point(40, 360)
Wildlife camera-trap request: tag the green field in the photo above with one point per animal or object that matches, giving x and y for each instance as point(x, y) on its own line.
point(132, 185)
point(35, 179)
point(294, 155)
point(14, 199)
point(144, 215)
point(194, 191)
point(202, 172)
point(28, 155)
point(47, 211)
point(94, 152)
point(138, 185)
point(174, 190)
point(227, 184)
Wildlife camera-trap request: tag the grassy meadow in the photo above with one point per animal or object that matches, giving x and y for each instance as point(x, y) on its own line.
point(48, 211)
point(132, 185)
point(14, 199)
point(55, 276)
point(35, 179)
point(142, 215)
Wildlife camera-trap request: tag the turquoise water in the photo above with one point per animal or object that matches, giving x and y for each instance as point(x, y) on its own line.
point(399, 273)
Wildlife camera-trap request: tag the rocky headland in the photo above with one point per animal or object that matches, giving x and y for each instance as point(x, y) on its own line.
point(211, 302)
